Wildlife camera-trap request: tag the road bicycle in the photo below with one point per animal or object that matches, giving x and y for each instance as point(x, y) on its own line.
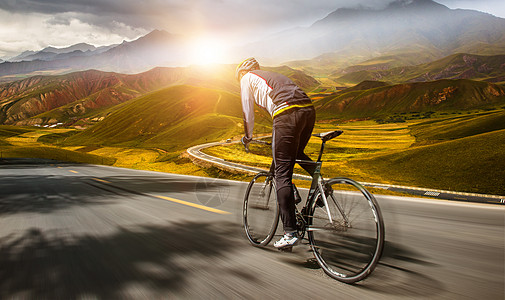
point(342, 220)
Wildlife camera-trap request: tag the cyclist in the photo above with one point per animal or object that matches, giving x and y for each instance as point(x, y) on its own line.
point(293, 121)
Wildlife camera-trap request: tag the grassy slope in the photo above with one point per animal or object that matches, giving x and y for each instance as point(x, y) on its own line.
point(458, 127)
point(171, 118)
point(462, 153)
point(22, 142)
point(451, 67)
point(471, 164)
point(442, 95)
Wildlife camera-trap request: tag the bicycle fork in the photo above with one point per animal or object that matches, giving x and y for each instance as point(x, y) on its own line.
point(337, 204)
point(268, 186)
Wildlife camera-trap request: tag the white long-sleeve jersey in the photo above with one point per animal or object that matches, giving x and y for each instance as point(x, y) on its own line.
point(271, 91)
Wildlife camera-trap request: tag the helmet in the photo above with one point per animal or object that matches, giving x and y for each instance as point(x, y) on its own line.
point(246, 65)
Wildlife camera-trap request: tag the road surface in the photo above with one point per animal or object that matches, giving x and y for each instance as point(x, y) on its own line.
point(81, 231)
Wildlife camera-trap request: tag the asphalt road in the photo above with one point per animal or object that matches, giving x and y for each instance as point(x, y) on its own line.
point(80, 231)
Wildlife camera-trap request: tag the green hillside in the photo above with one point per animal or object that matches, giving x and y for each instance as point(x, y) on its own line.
point(451, 128)
point(470, 164)
point(422, 97)
point(366, 85)
point(456, 66)
point(172, 119)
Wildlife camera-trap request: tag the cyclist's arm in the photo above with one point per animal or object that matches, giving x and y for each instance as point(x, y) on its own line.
point(247, 109)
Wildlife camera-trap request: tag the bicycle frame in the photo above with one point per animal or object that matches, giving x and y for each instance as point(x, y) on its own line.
point(317, 185)
point(325, 233)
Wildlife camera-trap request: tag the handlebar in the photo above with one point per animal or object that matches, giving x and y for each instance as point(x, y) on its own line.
point(246, 145)
point(261, 142)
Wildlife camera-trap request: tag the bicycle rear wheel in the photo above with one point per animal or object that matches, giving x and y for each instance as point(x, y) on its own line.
point(260, 210)
point(349, 245)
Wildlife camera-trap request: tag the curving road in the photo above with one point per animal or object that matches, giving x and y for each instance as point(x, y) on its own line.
point(81, 231)
point(197, 155)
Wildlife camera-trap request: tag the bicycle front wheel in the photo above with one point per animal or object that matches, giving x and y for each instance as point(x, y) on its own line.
point(346, 233)
point(260, 210)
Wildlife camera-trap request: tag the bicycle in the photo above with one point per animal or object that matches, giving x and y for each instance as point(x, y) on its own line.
point(343, 221)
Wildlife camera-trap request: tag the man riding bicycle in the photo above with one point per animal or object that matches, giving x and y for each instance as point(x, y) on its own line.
point(293, 117)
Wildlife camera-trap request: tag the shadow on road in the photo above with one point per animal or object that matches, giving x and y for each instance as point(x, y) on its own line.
point(145, 260)
point(398, 274)
point(46, 189)
point(394, 275)
point(45, 194)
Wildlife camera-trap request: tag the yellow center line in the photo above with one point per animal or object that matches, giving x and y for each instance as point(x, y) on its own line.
point(101, 180)
point(73, 171)
point(214, 210)
point(218, 211)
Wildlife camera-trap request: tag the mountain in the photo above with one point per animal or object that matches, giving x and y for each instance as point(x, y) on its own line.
point(335, 64)
point(80, 47)
point(419, 99)
point(50, 53)
point(22, 55)
point(68, 98)
point(412, 31)
point(457, 66)
point(403, 26)
point(158, 48)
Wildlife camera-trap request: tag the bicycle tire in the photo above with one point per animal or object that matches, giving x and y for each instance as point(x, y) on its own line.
point(260, 210)
point(349, 249)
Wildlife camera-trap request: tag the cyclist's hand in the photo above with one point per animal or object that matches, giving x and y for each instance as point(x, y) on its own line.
point(245, 141)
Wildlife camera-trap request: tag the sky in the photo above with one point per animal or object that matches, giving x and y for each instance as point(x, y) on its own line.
point(36, 24)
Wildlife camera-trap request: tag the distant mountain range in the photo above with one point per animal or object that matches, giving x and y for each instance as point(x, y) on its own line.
point(411, 31)
point(158, 48)
point(404, 26)
point(51, 53)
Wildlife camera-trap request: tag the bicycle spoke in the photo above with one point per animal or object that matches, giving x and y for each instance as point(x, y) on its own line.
point(348, 243)
point(260, 210)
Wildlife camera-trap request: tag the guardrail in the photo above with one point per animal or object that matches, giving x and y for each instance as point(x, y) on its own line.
point(199, 157)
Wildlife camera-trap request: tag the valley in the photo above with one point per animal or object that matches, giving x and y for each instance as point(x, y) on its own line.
point(421, 99)
point(437, 152)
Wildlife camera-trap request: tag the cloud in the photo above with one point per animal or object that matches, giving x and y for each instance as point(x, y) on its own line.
point(36, 31)
point(62, 22)
point(184, 15)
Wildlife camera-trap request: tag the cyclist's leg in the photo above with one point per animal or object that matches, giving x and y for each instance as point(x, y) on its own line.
point(291, 133)
point(309, 115)
point(284, 153)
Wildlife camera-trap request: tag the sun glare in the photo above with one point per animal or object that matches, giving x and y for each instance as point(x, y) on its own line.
point(207, 51)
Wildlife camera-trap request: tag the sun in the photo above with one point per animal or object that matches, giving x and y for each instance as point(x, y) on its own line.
point(207, 51)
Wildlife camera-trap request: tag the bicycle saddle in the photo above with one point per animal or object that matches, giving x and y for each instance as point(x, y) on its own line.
point(326, 136)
